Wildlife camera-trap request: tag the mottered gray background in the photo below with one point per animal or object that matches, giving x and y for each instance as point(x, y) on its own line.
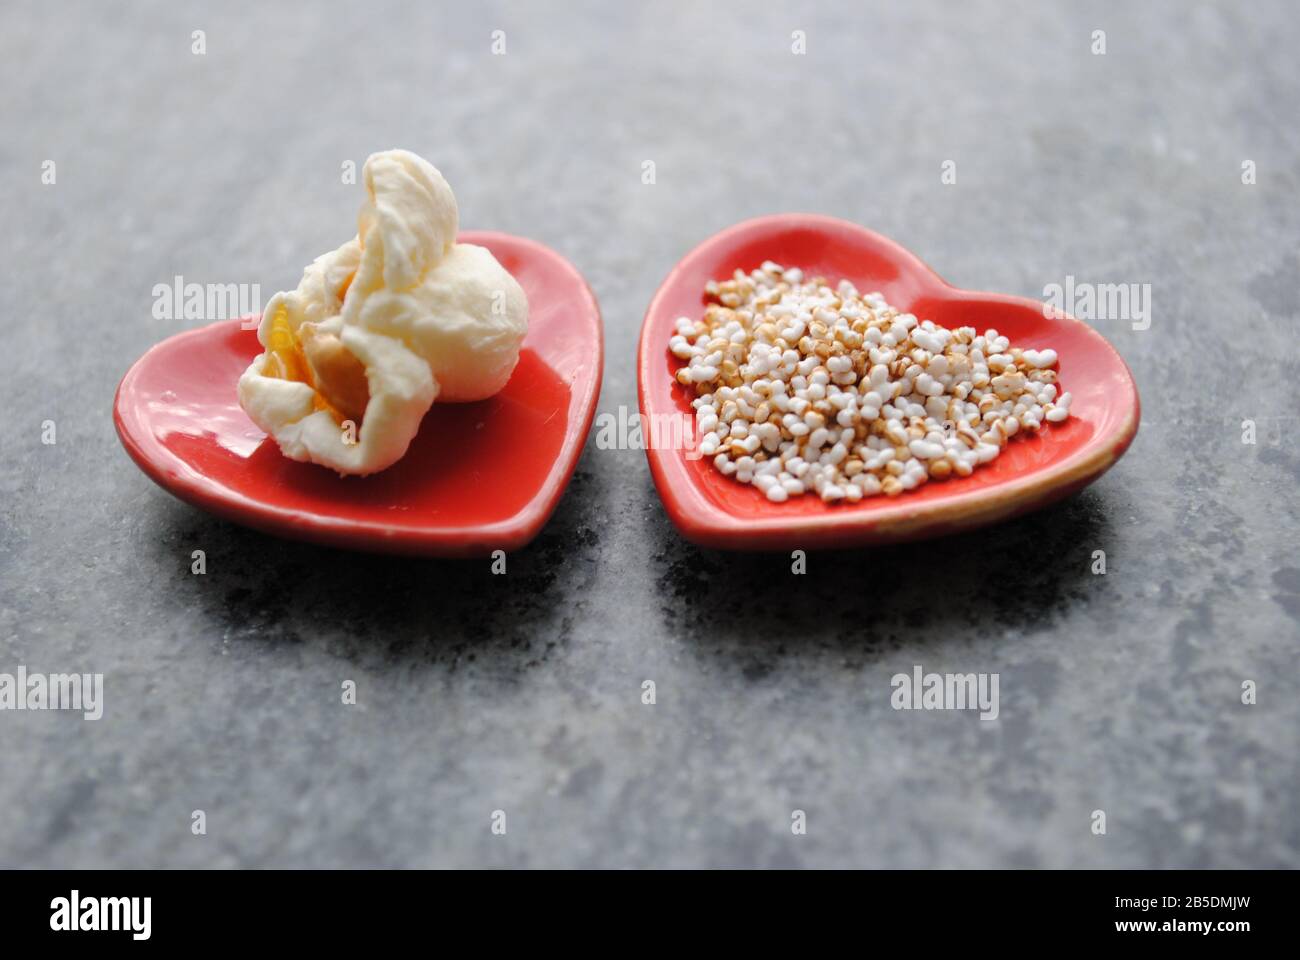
point(1119, 692)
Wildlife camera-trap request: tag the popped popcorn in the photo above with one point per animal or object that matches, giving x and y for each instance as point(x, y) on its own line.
point(378, 329)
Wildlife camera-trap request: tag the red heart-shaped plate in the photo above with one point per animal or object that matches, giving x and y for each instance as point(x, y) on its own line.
point(478, 477)
point(717, 511)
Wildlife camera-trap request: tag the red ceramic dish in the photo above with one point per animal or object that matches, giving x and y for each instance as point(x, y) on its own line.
point(478, 477)
point(716, 511)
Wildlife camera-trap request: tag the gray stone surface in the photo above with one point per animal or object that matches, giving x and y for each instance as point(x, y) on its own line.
point(521, 692)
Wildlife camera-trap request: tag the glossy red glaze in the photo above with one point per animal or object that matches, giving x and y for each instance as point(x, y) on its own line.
point(1032, 471)
point(478, 477)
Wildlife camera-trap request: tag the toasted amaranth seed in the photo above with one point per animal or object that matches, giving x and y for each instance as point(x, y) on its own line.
point(802, 387)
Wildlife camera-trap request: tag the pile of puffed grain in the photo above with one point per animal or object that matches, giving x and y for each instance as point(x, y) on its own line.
point(802, 387)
